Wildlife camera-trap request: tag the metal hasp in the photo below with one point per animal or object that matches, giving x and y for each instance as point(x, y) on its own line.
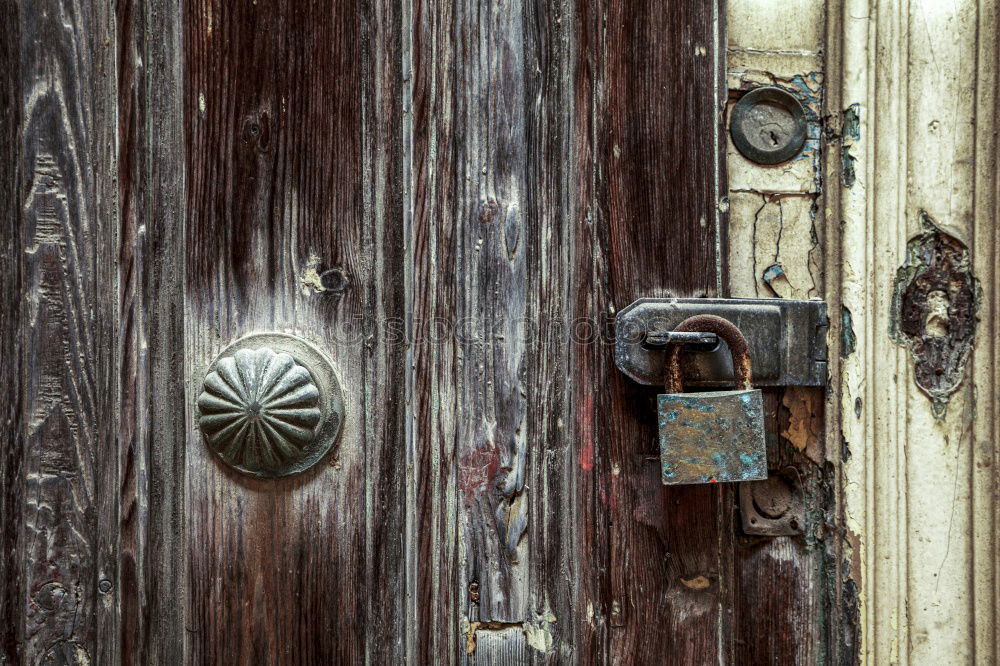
point(786, 340)
point(271, 405)
point(711, 437)
point(768, 125)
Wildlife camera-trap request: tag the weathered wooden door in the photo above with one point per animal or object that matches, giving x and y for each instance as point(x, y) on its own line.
point(451, 199)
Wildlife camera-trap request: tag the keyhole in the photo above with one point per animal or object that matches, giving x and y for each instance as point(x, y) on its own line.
point(772, 135)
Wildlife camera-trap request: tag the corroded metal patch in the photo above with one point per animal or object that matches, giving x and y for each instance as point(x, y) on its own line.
point(712, 437)
point(935, 310)
point(271, 405)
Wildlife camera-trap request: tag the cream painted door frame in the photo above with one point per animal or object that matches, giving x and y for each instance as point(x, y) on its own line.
point(919, 485)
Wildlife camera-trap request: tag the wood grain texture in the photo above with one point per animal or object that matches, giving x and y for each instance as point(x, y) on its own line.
point(468, 290)
point(11, 295)
point(452, 200)
point(561, 581)
point(386, 407)
point(63, 467)
point(671, 552)
point(592, 606)
point(432, 566)
point(488, 143)
point(151, 339)
point(491, 248)
point(276, 161)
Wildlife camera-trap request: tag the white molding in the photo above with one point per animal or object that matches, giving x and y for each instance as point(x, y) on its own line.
point(919, 491)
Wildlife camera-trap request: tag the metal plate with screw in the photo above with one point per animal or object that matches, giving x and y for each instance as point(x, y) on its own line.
point(271, 405)
point(768, 125)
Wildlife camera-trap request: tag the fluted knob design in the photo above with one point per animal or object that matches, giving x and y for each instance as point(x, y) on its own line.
point(263, 412)
point(259, 408)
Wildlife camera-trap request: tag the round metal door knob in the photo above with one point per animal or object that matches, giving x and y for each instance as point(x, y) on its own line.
point(768, 125)
point(271, 405)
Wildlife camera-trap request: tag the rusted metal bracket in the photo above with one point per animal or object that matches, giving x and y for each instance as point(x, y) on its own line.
point(787, 340)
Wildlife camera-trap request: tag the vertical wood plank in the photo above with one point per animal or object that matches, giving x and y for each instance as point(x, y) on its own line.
point(151, 340)
point(491, 268)
point(11, 296)
point(488, 211)
point(659, 129)
point(592, 363)
point(561, 583)
point(385, 380)
point(274, 101)
point(470, 245)
point(65, 472)
point(432, 493)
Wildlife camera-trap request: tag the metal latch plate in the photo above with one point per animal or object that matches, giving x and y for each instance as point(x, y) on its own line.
point(787, 340)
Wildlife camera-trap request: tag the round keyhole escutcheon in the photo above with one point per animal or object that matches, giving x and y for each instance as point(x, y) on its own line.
point(768, 125)
point(271, 405)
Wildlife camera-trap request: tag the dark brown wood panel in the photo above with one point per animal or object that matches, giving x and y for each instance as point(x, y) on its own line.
point(290, 152)
point(150, 345)
point(592, 430)
point(433, 567)
point(657, 158)
point(11, 297)
point(386, 406)
point(660, 118)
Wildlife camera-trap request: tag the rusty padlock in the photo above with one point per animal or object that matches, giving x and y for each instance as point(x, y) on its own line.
point(716, 436)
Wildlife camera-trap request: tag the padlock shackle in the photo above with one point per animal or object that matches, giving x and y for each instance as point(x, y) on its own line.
point(725, 329)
